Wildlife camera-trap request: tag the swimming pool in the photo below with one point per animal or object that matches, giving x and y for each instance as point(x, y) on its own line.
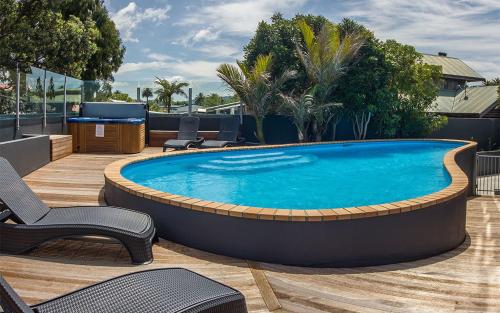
point(329, 204)
point(304, 177)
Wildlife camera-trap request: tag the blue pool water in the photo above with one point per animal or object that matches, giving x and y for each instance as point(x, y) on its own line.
point(305, 177)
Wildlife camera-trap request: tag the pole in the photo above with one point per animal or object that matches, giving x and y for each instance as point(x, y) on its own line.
point(190, 103)
point(18, 99)
point(65, 102)
point(241, 112)
point(44, 108)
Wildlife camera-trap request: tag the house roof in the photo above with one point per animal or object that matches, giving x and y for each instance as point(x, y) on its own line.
point(480, 100)
point(453, 67)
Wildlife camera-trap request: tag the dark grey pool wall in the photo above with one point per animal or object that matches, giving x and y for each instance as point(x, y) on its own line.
point(345, 243)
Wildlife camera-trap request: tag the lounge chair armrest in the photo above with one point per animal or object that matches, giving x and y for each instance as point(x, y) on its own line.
point(4, 215)
point(10, 300)
point(200, 139)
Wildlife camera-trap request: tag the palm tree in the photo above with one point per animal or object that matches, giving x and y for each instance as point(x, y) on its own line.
point(254, 87)
point(326, 57)
point(168, 89)
point(300, 110)
point(147, 93)
point(199, 99)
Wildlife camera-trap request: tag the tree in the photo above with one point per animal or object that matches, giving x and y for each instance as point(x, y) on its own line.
point(51, 89)
point(121, 96)
point(75, 37)
point(110, 50)
point(104, 91)
point(279, 38)
point(147, 93)
point(414, 88)
point(199, 99)
point(300, 110)
point(325, 57)
point(33, 34)
point(255, 87)
point(168, 89)
point(212, 99)
point(363, 90)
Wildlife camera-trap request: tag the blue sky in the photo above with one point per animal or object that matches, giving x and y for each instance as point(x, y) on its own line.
point(187, 40)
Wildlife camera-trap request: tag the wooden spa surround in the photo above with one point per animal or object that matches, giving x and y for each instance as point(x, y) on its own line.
point(369, 235)
point(118, 138)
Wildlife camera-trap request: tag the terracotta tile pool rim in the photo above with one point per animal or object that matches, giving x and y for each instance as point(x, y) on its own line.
point(458, 186)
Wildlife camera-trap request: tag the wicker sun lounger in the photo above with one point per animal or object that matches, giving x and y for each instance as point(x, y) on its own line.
point(227, 136)
point(36, 223)
point(187, 136)
point(152, 291)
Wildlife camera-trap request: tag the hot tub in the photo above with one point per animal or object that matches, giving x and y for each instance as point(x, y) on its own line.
point(109, 135)
point(331, 204)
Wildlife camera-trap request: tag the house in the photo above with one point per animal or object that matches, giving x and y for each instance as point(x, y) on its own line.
point(457, 98)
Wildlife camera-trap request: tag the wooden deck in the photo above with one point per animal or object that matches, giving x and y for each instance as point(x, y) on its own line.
point(466, 279)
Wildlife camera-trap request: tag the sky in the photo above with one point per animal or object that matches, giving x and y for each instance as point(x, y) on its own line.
point(187, 39)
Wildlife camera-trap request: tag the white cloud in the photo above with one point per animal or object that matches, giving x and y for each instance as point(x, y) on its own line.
point(159, 56)
point(239, 17)
point(464, 29)
point(221, 51)
point(196, 69)
point(205, 34)
point(128, 18)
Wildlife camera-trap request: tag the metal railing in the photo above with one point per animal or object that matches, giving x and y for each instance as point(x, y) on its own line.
point(488, 174)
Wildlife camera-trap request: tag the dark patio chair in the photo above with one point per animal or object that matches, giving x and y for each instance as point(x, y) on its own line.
point(228, 134)
point(158, 291)
point(35, 223)
point(187, 136)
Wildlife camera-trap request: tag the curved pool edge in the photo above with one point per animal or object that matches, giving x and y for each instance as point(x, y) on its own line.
point(393, 235)
point(459, 184)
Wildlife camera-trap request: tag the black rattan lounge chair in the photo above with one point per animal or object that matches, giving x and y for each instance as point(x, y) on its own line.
point(152, 291)
point(35, 223)
point(228, 134)
point(187, 136)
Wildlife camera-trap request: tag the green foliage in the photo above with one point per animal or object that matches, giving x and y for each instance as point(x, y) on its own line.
point(120, 96)
point(300, 110)
point(168, 89)
point(199, 99)
point(105, 92)
point(212, 99)
point(384, 83)
point(414, 88)
point(326, 57)
point(147, 93)
point(254, 86)
point(278, 39)
point(71, 36)
point(110, 50)
point(364, 89)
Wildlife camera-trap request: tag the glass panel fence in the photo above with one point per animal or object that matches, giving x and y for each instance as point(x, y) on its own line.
point(7, 93)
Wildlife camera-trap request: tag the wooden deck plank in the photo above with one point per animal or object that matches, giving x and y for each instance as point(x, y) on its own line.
point(466, 279)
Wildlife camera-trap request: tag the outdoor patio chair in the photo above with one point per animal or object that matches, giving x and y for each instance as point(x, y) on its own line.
point(187, 135)
point(158, 291)
point(34, 223)
point(228, 134)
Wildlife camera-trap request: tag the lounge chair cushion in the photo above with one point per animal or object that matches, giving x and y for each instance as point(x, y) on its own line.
point(112, 217)
point(160, 290)
point(177, 143)
point(216, 143)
